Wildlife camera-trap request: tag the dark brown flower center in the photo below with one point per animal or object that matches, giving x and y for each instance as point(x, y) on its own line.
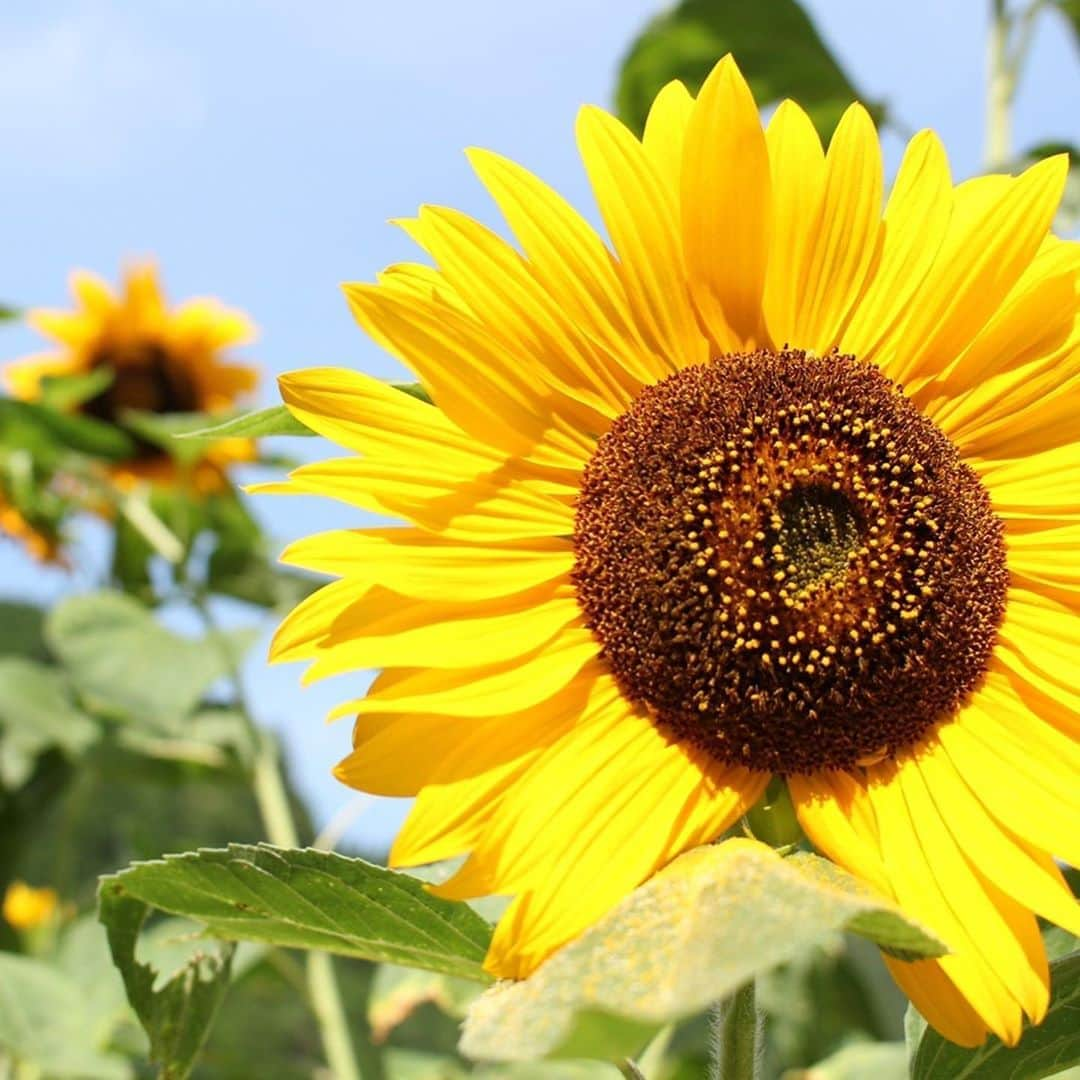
point(787, 563)
point(147, 379)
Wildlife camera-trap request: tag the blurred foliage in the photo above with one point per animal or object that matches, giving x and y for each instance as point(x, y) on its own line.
point(774, 42)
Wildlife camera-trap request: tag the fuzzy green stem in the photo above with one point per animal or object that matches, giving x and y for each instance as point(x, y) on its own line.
point(736, 1031)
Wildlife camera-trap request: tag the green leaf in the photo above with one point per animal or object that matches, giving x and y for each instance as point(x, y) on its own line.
point(166, 431)
point(37, 710)
point(8, 313)
point(774, 42)
point(414, 390)
point(81, 433)
point(881, 1060)
point(277, 420)
point(1050, 1048)
point(125, 664)
point(677, 944)
point(21, 630)
point(45, 1021)
point(314, 900)
point(64, 392)
point(177, 1012)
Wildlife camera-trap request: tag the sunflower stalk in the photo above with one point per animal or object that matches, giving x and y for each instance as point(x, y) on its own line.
point(275, 810)
point(736, 1037)
point(1008, 47)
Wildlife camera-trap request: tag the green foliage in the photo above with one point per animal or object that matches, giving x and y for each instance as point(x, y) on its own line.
point(47, 430)
point(774, 42)
point(1045, 1050)
point(124, 664)
point(676, 945)
point(65, 392)
point(881, 1060)
point(314, 900)
point(37, 711)
point(177, 1014)
point(47, 1021)
point(276, 420)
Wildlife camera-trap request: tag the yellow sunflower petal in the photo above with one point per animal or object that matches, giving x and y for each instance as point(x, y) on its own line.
point(971, 900)
point(665, 133)
point(726, 197)
point(1040, 487)
point(797, 168)
point(996, 230)
point(916, 218)
point(382, 629)
point(497, 286)
point(914, 878)
point(934, 994)
point(640, 800)
point(642, 220)
point(843, 242)
point(834, 809)
point(1019, 800)
point(570, 262)
point(477, 770)
point(993, 850)
point(428, 567)
point(451, 354)
point(481, 691)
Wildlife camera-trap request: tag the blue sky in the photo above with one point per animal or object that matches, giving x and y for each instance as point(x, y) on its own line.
point(257, 149)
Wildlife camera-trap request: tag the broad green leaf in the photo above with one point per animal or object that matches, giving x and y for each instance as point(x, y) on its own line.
point(176, 1012)
point(276, 420)
point(314, 900)
point(68, 391)
point(881, 1060)
point(774, 42)
point(1045, 1050)
point(677, 944)
point(37, 710)
point(9, 312)
point(397, 992)
point(45, 1021)
point(124, 663)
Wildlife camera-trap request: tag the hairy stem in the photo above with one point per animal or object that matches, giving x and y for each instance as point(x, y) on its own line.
point(735, 1037)
point(1001, 84)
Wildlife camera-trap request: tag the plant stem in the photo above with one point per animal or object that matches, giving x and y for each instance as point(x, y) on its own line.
point(1001, 83)
point(275, 810)
point(629, 1070)
point(735, 1037)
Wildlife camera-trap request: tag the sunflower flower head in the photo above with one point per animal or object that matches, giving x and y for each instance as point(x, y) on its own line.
point(158, 359)
point(781, 486)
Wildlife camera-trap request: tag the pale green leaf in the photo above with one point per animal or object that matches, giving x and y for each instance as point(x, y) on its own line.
point(880, 1060)
point(124, 663)
point(175, 1011)
point(45, 1022)
point(1045, 1050)
point(774, 42)
point(314, 900)
point(674, 946)
point(166, 431)
point(37, 711)
point(67, 391)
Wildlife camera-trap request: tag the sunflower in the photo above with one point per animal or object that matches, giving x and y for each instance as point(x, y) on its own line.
point(784, 485)
point(161, 359)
